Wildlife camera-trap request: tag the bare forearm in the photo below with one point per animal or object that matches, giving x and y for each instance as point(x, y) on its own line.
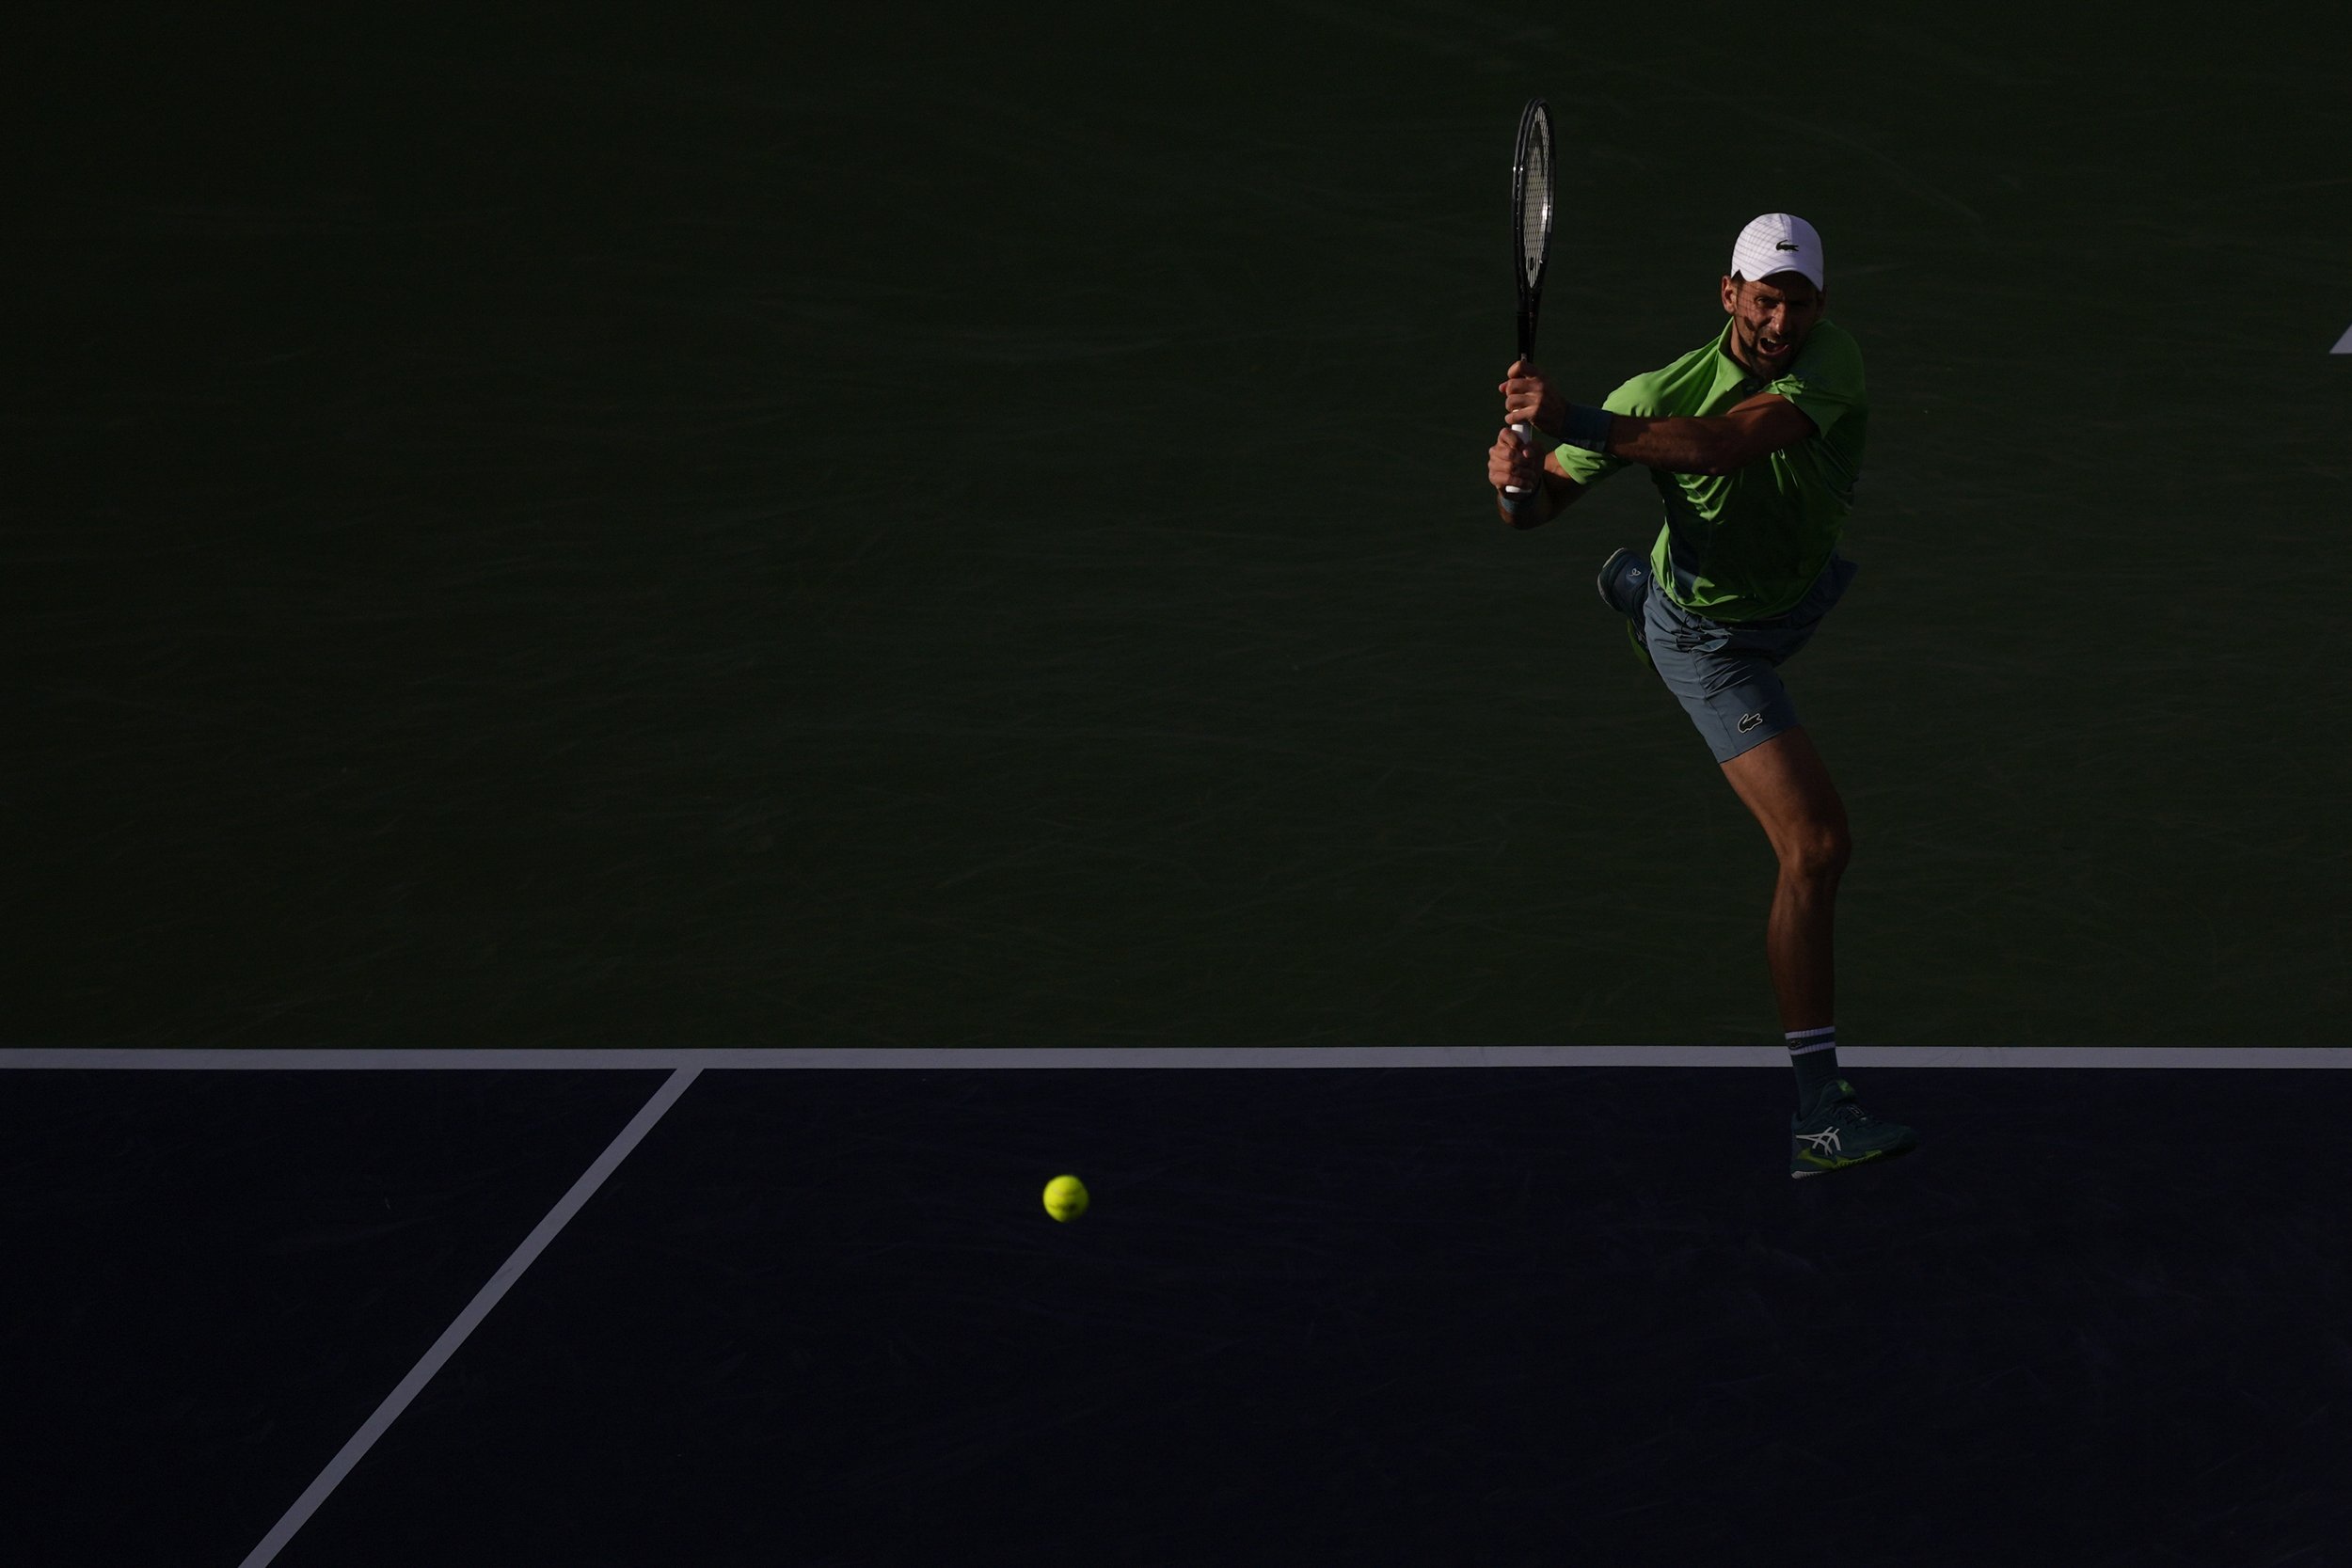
point(1678, 446)
point(1719, 444)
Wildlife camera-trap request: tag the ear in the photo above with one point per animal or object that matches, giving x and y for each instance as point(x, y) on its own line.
point(1731, 296)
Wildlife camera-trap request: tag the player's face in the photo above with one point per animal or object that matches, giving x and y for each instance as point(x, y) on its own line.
point(1771, 319)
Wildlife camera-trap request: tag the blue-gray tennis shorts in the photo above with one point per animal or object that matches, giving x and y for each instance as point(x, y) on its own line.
point(1727, 674)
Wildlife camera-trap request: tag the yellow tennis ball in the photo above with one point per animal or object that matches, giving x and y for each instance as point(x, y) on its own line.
point(1065, 1198)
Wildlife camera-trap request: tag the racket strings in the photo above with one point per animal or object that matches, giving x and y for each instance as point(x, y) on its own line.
point(1535, 209)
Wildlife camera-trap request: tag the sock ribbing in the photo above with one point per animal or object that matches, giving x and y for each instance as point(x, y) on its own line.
point(1814, 1054)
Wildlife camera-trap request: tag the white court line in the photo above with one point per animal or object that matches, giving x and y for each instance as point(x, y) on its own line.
point(1210, 1058)
point(454, 1336)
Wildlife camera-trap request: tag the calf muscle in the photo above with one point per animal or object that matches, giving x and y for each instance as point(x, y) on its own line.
point(1786, 786)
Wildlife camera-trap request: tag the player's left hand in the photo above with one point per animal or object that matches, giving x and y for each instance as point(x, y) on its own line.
point(1528, 398)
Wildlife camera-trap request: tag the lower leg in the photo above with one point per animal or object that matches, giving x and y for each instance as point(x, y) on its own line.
point(1800, 946)
point(1785, 784)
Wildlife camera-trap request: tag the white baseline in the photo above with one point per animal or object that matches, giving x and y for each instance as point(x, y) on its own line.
point(1202, 1058)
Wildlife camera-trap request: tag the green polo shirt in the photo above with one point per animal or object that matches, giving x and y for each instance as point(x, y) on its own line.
point(1746, 545)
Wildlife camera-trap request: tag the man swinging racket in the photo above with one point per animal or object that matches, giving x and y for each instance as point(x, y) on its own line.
point(1755, 442)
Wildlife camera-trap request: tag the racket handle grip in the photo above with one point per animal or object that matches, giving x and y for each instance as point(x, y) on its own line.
point(1533, 440)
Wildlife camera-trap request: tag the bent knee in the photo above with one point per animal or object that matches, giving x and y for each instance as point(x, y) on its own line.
point(1817, 852)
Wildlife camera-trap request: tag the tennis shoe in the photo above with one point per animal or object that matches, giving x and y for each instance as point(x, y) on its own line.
point(1624, 581)
point(1837, 1133)
point(1624, 584)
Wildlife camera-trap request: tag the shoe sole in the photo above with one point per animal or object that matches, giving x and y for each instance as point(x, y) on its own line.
point(1876, 1157)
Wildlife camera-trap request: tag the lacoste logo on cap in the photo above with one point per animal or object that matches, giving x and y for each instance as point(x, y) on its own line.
point(1784, 245)
point(1749, 722)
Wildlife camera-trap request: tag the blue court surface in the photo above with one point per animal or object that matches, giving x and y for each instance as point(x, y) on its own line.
point(1492, 1314)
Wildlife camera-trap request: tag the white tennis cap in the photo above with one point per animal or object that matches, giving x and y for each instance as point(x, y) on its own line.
point(1778, 242)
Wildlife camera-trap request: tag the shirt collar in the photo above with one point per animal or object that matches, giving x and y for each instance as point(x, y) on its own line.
point(1731, 376)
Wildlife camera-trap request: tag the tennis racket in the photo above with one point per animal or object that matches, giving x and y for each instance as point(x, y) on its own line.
point(1531, 239)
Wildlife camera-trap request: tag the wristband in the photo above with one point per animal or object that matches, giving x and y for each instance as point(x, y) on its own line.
point(1586, 427)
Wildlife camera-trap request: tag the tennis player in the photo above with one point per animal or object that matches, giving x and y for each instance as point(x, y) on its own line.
point(1754, 441)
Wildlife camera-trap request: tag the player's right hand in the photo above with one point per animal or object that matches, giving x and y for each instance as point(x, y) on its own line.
point(1508, 461)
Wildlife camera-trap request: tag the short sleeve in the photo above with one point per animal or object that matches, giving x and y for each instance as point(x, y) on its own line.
point(1591, 468)
point(1826, 380)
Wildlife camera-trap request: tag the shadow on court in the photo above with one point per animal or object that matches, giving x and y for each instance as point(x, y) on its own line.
point(1415, 1317)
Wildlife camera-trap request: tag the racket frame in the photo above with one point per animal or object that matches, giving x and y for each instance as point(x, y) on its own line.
point(1535, 140)
point(1531, 174)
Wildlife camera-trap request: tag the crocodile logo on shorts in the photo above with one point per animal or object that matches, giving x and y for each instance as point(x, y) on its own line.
point(1749, 722)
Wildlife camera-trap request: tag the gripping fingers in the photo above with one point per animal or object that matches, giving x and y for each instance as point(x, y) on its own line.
point(1523, 391)
point(1512, 467)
